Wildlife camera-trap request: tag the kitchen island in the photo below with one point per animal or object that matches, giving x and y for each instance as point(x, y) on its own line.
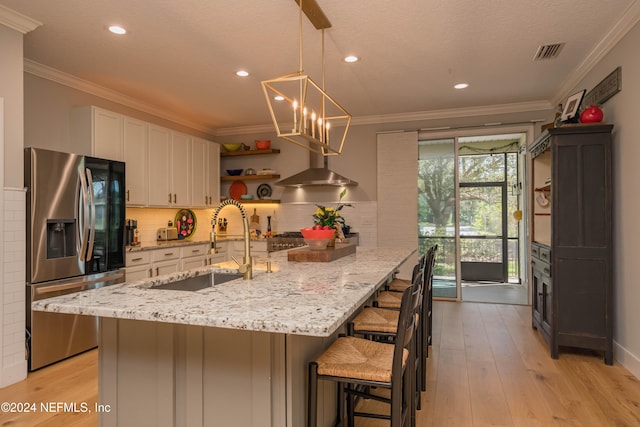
point(232, 354)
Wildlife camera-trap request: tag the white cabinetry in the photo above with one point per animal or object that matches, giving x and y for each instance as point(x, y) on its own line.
point(169, 157)
point(180, 169)
point(204, 173)
point(159, 157)
point(258, 249)
point(222, 253)
point(136, 152)
point(165, 261)
point(193, 256)
point(199, 163)
point(164, 168)
point(213, 174)
point(138, 266)
point(101, 128)
point(145, 264)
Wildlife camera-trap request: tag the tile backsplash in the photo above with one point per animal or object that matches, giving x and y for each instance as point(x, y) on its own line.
point(284, 217)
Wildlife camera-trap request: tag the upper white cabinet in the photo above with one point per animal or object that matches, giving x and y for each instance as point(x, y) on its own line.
point(169, 161)
point(160, 193)
point(205, 173)
point(164, 168)
point(213, 174)
point(101, 128)
point(199, 161)
point(136, 153)
point(180, 169)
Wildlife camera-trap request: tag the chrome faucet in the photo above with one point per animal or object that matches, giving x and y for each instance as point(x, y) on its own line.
point(244, 267)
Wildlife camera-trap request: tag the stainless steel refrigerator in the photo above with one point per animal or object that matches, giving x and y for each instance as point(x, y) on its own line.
point(75, 242)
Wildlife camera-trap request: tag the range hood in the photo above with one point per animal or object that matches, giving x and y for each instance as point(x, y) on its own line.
point(316, 177)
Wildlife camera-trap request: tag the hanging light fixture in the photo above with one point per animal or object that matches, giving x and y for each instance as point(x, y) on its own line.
point(305, 114)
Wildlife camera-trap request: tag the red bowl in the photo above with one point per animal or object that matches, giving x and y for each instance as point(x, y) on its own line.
point(309, 233)
point(263, 144)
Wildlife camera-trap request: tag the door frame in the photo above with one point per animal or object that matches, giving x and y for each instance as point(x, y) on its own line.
point(525, 169)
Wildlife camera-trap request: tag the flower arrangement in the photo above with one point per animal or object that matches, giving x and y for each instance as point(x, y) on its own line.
point(330, 217)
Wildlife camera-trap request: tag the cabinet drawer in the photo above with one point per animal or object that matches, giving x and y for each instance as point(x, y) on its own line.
point(259, 246)
point(535, 251)
point(165, 254)
point(545, 254)
point(193, 250)
point(138, 258)
point(541, 252)
point(541, 266)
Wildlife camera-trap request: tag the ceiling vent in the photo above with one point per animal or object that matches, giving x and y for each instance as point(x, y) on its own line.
point(548, 51)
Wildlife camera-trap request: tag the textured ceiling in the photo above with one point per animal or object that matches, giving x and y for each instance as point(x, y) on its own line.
point(180, 56)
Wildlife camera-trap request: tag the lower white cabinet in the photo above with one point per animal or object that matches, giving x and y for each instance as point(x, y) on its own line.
point(221, 254)
point(193, 256)
point(258, 249)
point(156, 262)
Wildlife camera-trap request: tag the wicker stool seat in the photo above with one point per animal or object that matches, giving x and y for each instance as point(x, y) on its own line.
point(376, 319)
point(398, 285)
point(388, 299)
point(358, 358)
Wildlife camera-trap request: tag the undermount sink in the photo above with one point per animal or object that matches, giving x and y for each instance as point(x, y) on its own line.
point(197, 283)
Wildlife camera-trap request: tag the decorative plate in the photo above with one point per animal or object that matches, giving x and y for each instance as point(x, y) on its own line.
point(264, 191)
point(185, 223)
point(237, 189)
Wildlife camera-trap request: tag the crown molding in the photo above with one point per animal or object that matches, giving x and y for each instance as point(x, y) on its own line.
point(74, 82)
point(629, 19)
point(518, 107)
point(17, 21)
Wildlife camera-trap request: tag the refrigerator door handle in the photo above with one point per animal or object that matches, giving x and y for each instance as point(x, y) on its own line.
point(82, 216)
point(92, 214)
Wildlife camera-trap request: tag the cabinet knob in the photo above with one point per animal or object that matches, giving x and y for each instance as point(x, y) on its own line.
point(169, 197)
point(175, 198)
point(127, 195)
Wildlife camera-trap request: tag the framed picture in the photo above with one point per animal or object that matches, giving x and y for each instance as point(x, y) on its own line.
point(571, 106)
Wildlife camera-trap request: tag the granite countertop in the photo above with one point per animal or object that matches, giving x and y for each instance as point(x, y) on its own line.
point(303, 298)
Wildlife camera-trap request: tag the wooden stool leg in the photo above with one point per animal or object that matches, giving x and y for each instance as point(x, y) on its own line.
point(340, 405)
point(312, 393)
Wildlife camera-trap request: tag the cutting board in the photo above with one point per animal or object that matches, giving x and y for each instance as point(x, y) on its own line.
point(325, 255)
point(255, 217)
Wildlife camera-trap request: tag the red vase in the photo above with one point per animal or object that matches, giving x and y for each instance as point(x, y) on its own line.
point(593, 114)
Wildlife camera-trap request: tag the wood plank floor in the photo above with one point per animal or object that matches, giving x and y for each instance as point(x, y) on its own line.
point(74, 380)
point(487, 367)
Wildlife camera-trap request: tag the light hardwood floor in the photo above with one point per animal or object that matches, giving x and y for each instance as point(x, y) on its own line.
point(487, 367)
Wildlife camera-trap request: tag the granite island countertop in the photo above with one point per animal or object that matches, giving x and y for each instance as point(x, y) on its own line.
point(302, 298)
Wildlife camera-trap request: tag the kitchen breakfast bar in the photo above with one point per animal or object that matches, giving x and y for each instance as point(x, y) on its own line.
point(234, 354)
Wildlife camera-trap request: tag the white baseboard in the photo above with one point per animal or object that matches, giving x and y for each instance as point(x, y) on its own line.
point(13, 373)
point(627, 359)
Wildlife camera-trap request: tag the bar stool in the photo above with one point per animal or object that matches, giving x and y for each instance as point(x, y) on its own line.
point(380, 324)
point(399, 285)
point(358, 364)
point(389, 300)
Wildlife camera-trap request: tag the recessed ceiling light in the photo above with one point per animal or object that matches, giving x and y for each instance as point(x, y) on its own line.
point(461, 86)
point(242, 73)
point(351, 58)
point(116, 29)
point(279, 98)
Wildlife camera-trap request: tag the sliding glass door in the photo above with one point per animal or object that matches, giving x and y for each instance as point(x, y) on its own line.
point(437, 211)
point(470, 205)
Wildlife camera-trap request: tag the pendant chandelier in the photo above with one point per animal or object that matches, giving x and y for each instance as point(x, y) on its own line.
point(302, 112)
